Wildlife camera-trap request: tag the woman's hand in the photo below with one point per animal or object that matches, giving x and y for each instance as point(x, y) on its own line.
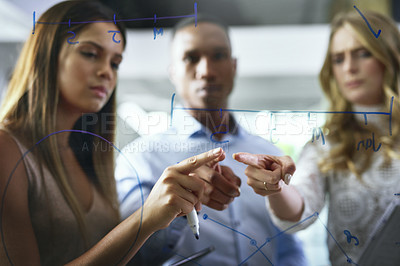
point(178, 190)
point(266, 173)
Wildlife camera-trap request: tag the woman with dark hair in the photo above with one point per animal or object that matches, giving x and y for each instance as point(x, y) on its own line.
point(58, 196)
point(360, 75)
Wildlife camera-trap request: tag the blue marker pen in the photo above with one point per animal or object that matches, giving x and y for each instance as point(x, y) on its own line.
point(193, 222)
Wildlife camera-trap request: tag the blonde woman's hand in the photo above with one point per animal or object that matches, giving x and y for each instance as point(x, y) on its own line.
point(266, 173)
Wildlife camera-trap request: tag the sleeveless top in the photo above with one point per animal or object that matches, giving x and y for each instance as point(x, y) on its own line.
point(56, 229)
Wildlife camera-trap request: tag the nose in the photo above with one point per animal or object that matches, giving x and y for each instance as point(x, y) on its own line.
point(205, 69)
point(104, 70)
point(350, 64)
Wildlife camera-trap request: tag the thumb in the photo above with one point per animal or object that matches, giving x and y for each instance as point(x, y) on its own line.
point(288, 168)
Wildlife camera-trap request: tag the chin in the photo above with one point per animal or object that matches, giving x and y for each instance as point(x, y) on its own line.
point(364, 102)
point(92, 108)
point(214, 102)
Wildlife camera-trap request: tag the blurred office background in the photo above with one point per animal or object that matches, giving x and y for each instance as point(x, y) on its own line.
point(280, 46)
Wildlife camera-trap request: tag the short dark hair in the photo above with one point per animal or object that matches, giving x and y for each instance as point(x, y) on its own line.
point(200, 18)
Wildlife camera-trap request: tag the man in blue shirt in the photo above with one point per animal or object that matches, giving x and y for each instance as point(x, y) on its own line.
point(203, 72)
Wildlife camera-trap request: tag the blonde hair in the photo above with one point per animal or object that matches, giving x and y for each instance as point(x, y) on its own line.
point(30, 105)
point(344, 131)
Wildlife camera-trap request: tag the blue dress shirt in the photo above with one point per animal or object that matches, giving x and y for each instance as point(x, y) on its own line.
point(243, 234)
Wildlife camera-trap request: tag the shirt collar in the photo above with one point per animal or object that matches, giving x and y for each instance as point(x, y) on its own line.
point(187, 126)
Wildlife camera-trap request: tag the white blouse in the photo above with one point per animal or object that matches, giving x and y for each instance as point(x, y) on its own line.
point(354, 206)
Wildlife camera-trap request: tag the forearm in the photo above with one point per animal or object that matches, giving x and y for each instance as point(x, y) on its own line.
point(120, 244)
point(287, 204)
point(163, 244)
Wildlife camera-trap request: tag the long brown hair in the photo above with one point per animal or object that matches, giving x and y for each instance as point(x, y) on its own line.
point(344, 131)
point(30, 105)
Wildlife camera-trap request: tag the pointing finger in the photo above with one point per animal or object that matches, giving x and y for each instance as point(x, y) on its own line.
point(283, 164)
point(261, 161)
point(188, 165)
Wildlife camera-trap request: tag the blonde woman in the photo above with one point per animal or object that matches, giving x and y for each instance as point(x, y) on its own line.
point(360, 74)
point(58, 196)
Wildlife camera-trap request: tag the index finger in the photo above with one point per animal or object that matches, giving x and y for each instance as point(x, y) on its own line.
point(188, 165)
point(260, 161)
point(283, 163)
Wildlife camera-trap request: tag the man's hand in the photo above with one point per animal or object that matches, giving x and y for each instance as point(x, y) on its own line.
point(222, 185)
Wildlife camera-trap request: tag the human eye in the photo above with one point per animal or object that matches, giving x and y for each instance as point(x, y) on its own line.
point(220, 55)
point(89, 54)
point(191, 58)
point(115, 65)
point(337, 59)
point(364, 53)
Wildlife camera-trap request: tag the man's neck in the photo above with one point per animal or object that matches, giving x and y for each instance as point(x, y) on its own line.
point(216, 121)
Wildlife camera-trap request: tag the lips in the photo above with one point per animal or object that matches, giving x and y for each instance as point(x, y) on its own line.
point(354, 83)
point(210, 88)
point(99, 91)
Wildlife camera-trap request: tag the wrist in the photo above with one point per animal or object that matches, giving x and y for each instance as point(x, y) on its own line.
point(146, 225)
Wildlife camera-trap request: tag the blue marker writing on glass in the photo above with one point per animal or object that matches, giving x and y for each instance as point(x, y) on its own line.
point(193, 222)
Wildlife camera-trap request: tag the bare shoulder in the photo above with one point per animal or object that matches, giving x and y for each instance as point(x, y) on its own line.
point(10, 154)
point(7, 141)
point(19, 245)
point(9, 150)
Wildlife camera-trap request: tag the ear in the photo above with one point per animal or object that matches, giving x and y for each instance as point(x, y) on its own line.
point(234, 65)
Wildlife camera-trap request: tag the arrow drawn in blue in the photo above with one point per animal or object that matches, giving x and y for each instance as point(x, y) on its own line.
point(369, 26)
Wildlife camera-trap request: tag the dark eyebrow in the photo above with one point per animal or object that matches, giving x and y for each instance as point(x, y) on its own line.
point(98, 46)
point(191, 51)
point(352, 50)
point(222, 48)
point(215, 49)
point(359, 49)
point(94, 44)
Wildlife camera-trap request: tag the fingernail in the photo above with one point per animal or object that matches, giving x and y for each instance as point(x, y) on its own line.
point(239, 191)
point(216, 151)
point(287, 178)
point(234, 156)
point(235, 193)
